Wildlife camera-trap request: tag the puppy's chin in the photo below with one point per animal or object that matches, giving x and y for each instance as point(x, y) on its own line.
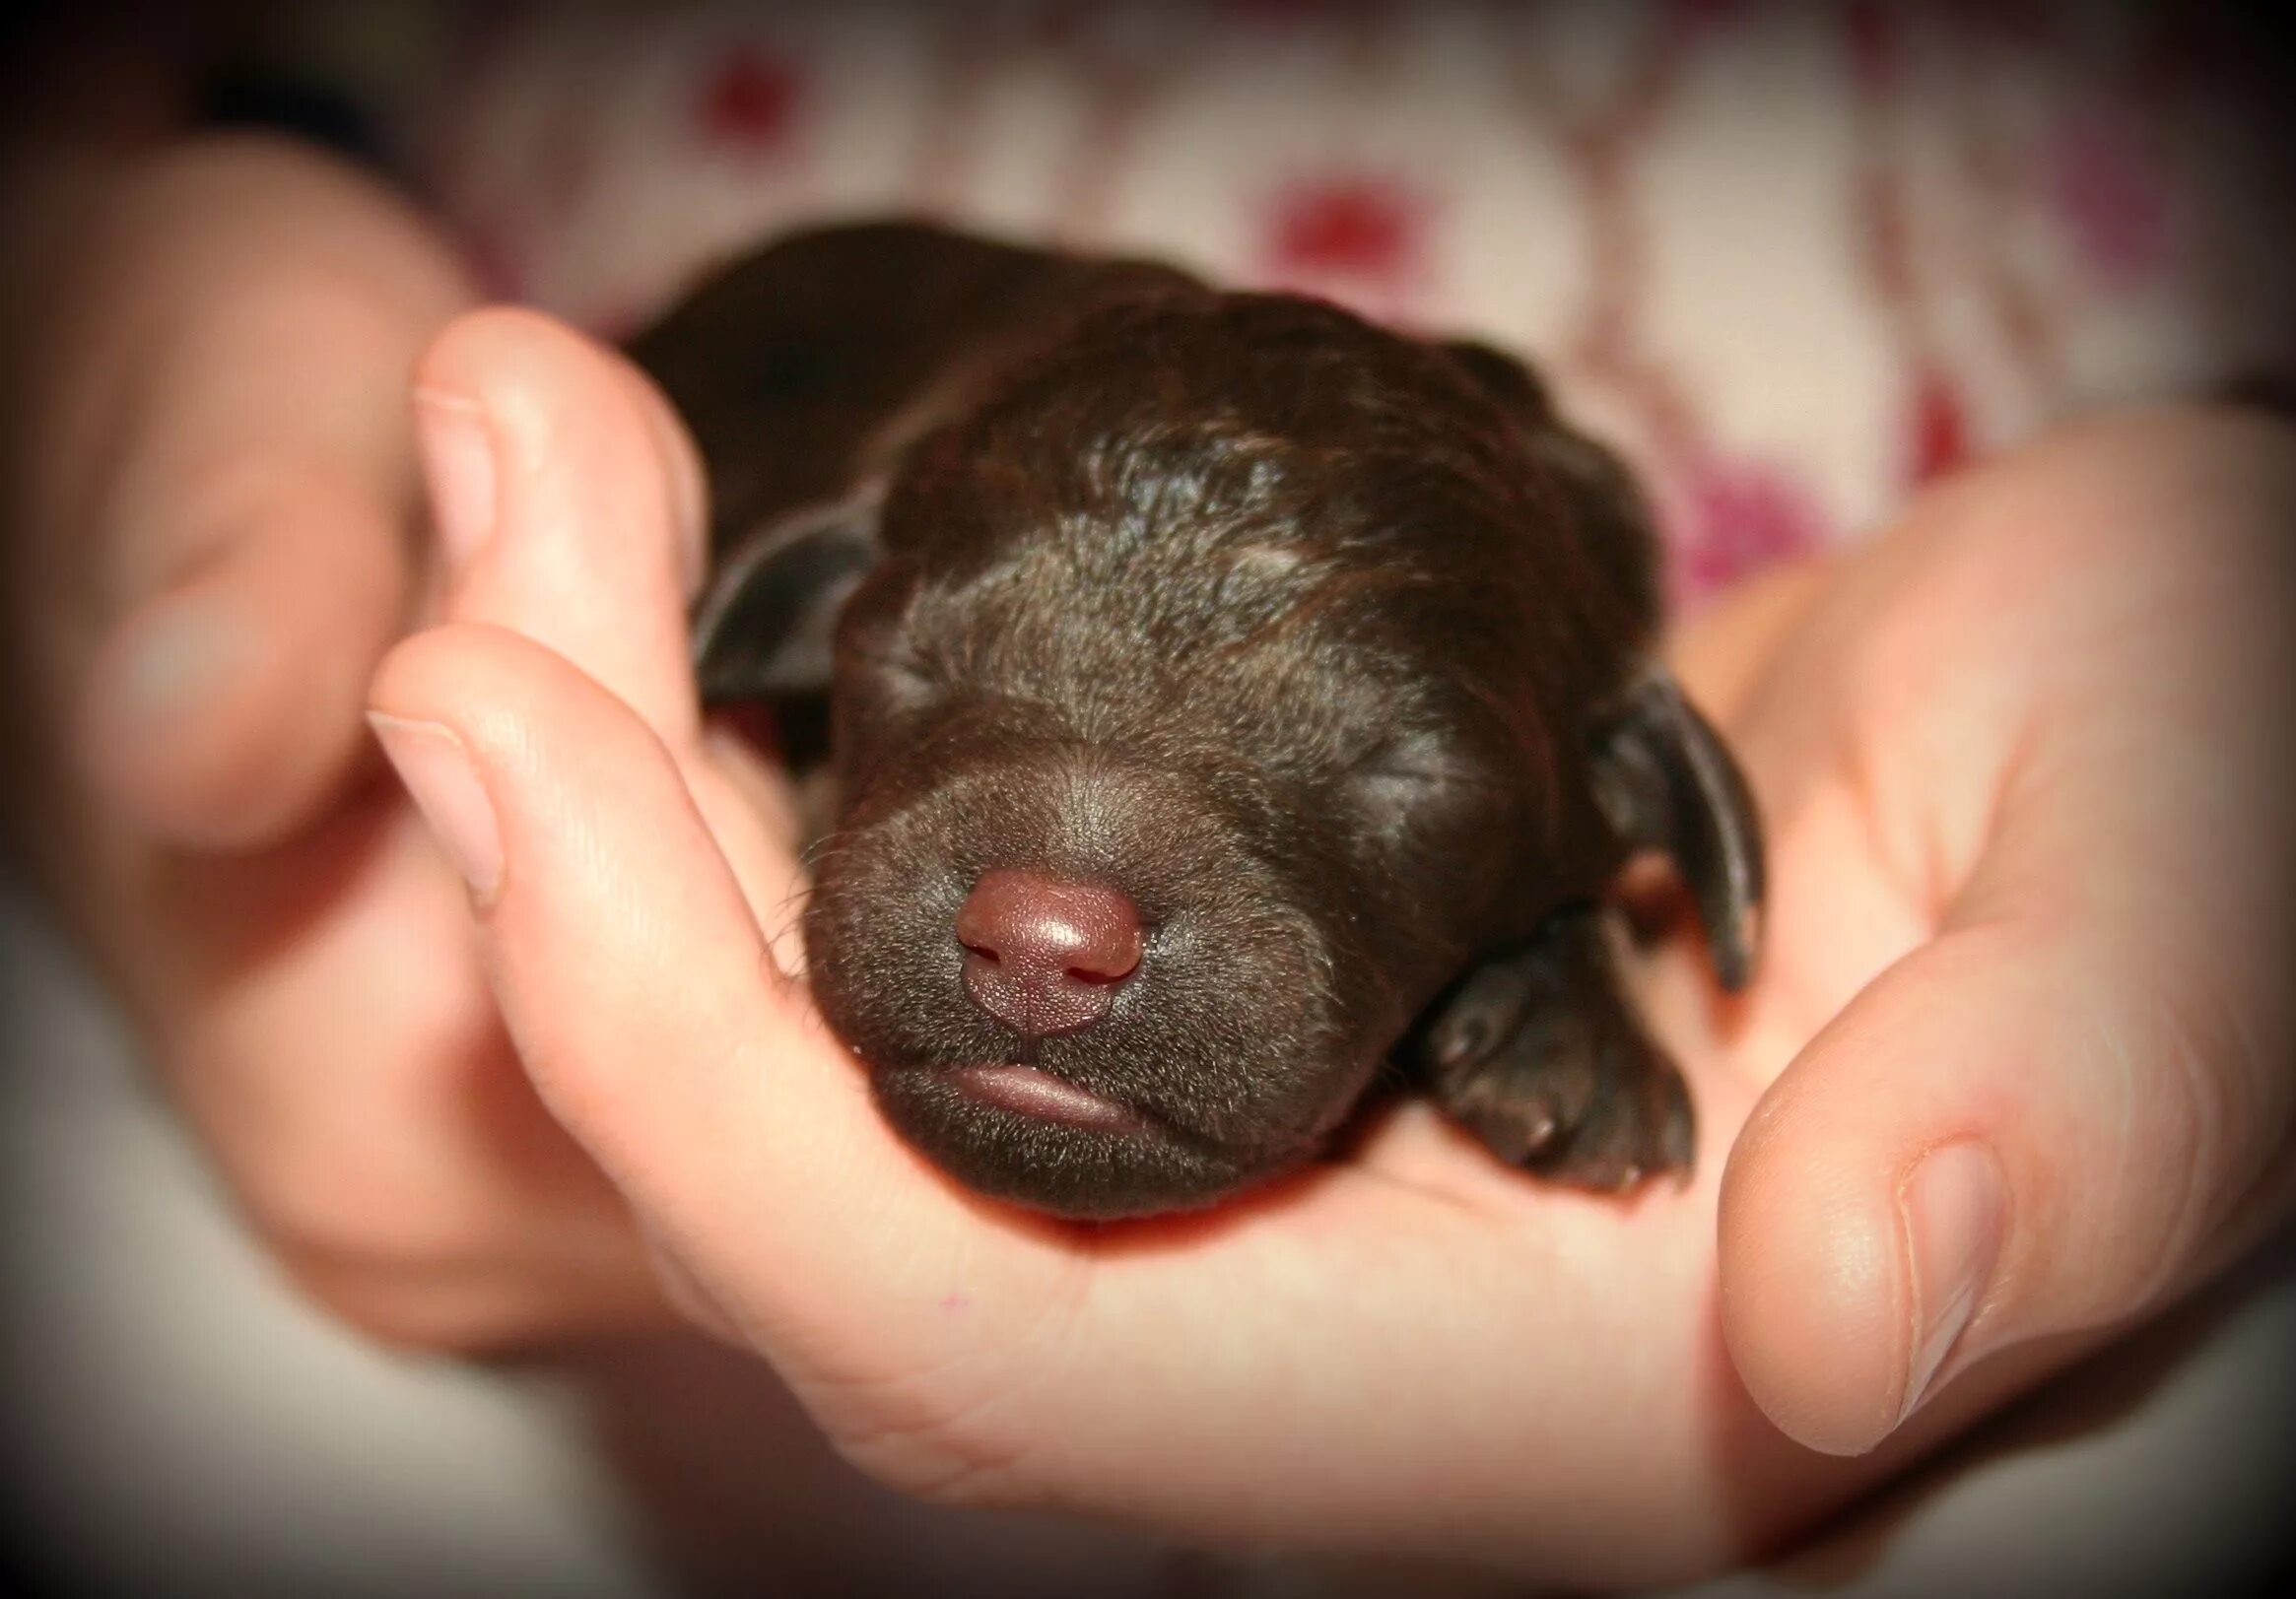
point(1031, 1141)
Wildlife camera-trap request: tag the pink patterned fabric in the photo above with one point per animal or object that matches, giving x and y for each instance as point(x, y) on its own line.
point(1794, 260)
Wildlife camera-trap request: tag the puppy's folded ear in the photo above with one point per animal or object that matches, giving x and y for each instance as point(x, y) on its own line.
point(1665, 781)
point(1661, 776)
point(763, 628)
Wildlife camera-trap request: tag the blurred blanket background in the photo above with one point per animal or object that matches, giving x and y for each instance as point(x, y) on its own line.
point(1794, 260)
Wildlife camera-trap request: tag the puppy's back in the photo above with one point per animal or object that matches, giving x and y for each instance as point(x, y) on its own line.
point(788, 364)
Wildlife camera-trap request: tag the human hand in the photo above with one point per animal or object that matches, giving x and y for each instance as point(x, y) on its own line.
point(219, 532)
point(2051, 1071)
point(1414, 1349)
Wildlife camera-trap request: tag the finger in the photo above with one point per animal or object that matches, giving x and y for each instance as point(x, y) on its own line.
point(569, 506)
point(566, 501)
point(1988, 1150)
point(639, 990)
point(412, 1186)
point(218, 518)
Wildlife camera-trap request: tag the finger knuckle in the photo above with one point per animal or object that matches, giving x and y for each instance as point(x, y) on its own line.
point(952, 1459)
point(2211, 1121)
point(967, 1430)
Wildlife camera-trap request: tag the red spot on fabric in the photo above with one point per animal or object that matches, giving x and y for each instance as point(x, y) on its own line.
point(2110, 198)
point(1937, 434)
point(1741, 517)
point(750, 102)
point(1347, 226)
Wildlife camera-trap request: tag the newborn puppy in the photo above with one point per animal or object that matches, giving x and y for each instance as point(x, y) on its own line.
point(1226, 697)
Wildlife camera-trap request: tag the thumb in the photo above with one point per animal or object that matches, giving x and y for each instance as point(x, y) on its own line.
point(2075, 1100)
point(1999, 1141)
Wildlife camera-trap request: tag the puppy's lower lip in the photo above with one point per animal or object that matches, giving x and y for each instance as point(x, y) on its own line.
point(1030, 1091)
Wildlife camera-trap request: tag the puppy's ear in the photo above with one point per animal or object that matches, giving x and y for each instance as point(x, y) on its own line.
point(1661, 776)
point(761, 628)
point(1666, 782)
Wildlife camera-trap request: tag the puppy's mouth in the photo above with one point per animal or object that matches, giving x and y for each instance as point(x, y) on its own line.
point(1030, 1090)
point(1023, 1134)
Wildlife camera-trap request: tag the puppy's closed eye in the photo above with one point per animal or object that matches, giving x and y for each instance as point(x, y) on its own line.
point(1404, 767)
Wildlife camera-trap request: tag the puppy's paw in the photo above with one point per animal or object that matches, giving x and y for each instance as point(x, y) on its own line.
point(1539, 1055)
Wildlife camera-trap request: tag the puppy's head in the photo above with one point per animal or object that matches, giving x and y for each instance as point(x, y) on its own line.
point(1214, 685)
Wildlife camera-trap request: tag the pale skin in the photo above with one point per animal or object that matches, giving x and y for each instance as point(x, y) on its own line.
point(2026, 760)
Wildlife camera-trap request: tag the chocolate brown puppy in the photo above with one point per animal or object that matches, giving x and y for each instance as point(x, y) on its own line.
point(1227, 698)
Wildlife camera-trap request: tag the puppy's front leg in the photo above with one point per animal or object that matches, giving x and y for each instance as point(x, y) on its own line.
point(1540, 1054)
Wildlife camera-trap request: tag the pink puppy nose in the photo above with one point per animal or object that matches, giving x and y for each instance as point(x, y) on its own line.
point(1045, 954)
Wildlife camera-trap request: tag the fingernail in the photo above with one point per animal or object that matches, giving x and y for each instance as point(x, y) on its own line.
point(458, 465)
point(437, 771)
point(1952, 1210)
